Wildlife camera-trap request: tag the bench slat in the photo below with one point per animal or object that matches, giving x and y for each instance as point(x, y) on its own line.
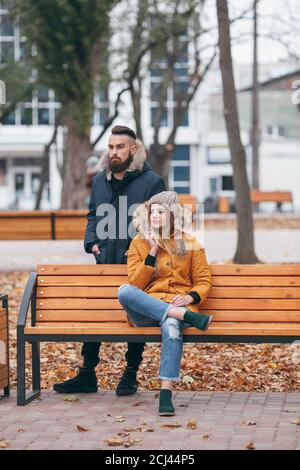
point(216, 269)
point(82, 269)
point(120, 315)
point(259, 281)
point(82, 280)
point(222, 329)
point(89, 292)
point(81, 315)
point(255, 293)
point(215, 292)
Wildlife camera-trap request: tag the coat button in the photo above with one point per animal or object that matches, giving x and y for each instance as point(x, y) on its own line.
point(168, 263)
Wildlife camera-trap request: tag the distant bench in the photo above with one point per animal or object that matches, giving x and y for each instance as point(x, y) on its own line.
point(257, 197)
point(279, 197)
point(54, 225)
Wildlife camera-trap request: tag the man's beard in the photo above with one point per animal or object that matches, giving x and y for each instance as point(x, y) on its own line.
point(117, 167)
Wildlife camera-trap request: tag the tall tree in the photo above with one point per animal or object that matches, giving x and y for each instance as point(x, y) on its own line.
point(245, 244)
point(71, 39)
point(255, 132)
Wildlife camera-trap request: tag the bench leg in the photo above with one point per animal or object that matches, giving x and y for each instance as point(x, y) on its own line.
point(22, 398)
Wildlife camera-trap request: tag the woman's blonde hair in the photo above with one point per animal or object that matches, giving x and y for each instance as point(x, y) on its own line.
point(171, 237)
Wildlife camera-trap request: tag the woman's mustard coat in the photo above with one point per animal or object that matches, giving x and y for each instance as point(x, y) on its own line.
point(172, 274)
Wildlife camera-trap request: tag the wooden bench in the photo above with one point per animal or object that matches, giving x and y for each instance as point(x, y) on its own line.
point(249, 303)
point(43, 225)
point(272, 196)
point(4, 342)
point(55, 224)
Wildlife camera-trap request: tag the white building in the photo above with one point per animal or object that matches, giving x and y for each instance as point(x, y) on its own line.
point(200, 164)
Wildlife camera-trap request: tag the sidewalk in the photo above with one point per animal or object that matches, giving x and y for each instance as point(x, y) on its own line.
point(272, 246)
point(220, 418)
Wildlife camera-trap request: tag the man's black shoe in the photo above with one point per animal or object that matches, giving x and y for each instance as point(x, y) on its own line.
point(128, 383)
point(84, 382)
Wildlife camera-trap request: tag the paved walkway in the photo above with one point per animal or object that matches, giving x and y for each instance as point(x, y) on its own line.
point(272, 246)
point(220, 420)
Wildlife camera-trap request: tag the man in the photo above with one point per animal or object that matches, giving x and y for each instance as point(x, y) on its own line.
point(125, 172)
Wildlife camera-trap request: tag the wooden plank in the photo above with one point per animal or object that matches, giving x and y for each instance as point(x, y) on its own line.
point(3, 322)
point(250, 304)
point(3, 373)
point(215, 292)
point(255, 293)
point(79, 280)
point(255, 269)
point(270, 196)
point(2, 312)
point(3, 383)
point(104, 324)
point(101, 304)
point(3, 335)
point(120, 315)
point(25, 229)
point(70, 228)
point(82, 269)
point(216, 269)
point(80, 315)
point(210, 304)
point(259, 281)
point(222, 329)
point(88, 292)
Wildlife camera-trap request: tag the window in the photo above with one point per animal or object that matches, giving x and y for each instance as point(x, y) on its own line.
point(2, 172)
point(26, 116)
point(43, 116)
point(6, 51)
point(213, 185)
point(216, 155)
point(177, 86)
point(6, 26)
point(10, 119)
point(179, 178)
point(227, 183)
point(277, 130)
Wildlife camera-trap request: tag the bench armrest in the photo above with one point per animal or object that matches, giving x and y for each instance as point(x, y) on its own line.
point(29, 289)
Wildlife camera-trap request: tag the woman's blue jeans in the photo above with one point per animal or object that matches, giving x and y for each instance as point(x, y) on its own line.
point(144, 310)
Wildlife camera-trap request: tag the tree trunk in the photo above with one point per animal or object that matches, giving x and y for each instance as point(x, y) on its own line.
point(160, 157)
point(255, 137)
point(245, 246)
point(77, 150)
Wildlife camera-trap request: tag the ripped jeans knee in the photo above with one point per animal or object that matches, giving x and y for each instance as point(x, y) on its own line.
point(170, 329)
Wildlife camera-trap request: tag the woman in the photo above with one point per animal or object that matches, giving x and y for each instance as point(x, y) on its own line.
point(167, 272)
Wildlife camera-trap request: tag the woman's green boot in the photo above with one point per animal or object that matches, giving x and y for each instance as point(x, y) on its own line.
point(166, 407)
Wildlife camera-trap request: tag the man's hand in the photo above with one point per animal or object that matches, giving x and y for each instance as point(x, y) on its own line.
point(95, 249)
point(182, 300)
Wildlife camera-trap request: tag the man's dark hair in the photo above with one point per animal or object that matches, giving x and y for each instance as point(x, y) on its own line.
point(121, 130)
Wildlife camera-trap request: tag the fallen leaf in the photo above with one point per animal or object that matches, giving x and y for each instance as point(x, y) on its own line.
point(187, 379)
point(20, 430)
point(119, 417)
point(81, 429)
point(250, 446)
point(192, 424)
point(170, 426)
point(296, 421)
point(248, 423)
point(114, 442)
point(3, 444)
point(71, 398)
point(206, 436)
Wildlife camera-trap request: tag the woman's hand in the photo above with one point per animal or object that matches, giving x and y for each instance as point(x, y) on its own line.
point(152, 242)
point(182, 300)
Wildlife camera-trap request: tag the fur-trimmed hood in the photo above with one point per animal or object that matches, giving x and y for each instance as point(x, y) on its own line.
point(137, 163)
